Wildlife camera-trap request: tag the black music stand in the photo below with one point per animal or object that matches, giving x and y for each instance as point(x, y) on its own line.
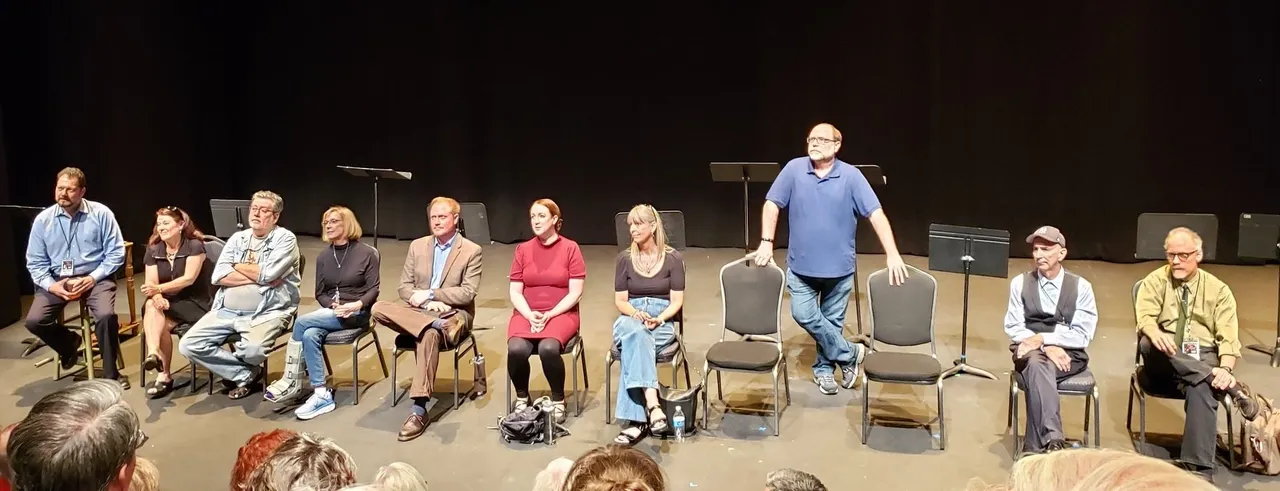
point(873, 173)
point(1260, 239)
point(377, 175)
point(746, 173)
point(229, 216)
point(29, 213)
point(968, 250)
point(1154, 227)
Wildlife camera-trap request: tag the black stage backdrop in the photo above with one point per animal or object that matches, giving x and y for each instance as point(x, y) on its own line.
point(994, 114)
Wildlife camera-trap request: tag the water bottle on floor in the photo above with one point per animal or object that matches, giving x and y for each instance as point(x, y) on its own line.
point(677, 422)
point(481, 382)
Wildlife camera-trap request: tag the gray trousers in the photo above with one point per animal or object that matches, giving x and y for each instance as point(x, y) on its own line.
point(46, 310)
point(1191, 377)
point(203, 343)
point(1040, 379)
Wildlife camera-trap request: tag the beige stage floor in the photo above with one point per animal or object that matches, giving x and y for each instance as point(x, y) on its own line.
point(194, 437)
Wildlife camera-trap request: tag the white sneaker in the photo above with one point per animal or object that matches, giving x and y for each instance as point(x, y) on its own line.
point(320, 402)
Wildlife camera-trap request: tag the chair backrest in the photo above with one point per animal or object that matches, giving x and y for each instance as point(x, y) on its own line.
point(474, 223)
point(751, 297)
point(672, 222)
point(903, 315)
point(1133, 306)
point(212, 249)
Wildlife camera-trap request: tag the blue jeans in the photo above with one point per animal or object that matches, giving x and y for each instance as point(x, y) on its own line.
point(819, 305)
point(310, 330)
point(638, 361)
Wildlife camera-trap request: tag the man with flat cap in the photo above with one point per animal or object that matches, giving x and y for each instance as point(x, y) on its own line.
point(1052, 317)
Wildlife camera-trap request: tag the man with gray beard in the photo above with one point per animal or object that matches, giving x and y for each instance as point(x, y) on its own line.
point(259, 272)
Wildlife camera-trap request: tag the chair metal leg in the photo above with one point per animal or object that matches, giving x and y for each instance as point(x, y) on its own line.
point(777, 409)
point(355, 370)
point(706, 397)
point(395, 382)
point(142, 360)
point(1231, 435)
point(577, 404)
point(942, 421)
point(786, 381)
point(1097, 420)
point(719, 388)
point(688, 379)
point(1088, 400)
point(857, 302)
point(866, 409)
point(378, 346)
point(329, 366)
point(608, 387)
point(457, 375)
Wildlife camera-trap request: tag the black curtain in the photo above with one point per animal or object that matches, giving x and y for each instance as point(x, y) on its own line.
point(10, 303)
point(992, 114)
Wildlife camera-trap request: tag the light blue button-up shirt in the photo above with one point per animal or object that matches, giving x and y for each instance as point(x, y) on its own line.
point(278, 259)
point(1084, 323)
point(440, 256)
point(91, 240)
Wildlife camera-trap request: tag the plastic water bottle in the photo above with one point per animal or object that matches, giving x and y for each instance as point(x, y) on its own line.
point(677, 422)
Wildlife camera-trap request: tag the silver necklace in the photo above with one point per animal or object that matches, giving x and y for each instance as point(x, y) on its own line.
point(344, 255)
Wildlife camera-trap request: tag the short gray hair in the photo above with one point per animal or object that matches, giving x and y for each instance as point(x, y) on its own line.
point(792, 480)
point(76, 438)
point(277, 203)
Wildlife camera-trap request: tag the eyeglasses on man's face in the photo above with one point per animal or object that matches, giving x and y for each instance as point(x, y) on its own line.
point(821, 141)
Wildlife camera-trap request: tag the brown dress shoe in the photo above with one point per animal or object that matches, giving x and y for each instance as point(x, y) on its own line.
point(413, 427)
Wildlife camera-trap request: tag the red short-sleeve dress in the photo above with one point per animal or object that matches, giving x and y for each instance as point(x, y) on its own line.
point(545, 271)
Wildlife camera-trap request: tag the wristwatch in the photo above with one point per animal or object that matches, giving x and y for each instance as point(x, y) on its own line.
point(1228, 369)
point(762, 239)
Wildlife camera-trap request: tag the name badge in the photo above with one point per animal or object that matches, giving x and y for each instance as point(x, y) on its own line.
point(66, 270)
point(1191, 348)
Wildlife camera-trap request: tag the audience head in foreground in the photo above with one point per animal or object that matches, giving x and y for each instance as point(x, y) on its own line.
point(1089, 469)
point(82, 437)
point(254, 453)
point(792, 480)
point(614, 468)
point(305, 462)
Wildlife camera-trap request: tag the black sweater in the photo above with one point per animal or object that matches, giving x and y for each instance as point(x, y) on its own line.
point(356, 279)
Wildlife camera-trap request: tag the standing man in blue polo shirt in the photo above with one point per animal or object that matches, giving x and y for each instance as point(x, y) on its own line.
point(824, 198)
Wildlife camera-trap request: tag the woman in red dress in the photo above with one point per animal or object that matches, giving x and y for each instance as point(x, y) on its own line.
point(547, 277)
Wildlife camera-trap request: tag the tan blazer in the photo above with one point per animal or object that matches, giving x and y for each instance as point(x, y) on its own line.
point(461, 279)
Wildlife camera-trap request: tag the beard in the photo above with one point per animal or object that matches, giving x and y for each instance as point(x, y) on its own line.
point(818, 155)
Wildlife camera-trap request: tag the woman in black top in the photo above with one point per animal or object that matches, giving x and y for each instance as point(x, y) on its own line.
point(175, 254)
point(347, 284)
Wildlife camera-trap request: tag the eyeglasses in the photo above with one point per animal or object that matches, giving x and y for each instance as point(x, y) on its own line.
point(1182, 256)
point(260, 209)
point(140, 439)
point(333, 221)
point(824, 141)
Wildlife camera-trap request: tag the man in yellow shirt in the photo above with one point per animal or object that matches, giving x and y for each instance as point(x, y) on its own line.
point(1190, 343)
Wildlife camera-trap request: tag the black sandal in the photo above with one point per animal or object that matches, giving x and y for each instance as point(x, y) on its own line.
point(625, 439)
point(159, 389)
point(657, 425)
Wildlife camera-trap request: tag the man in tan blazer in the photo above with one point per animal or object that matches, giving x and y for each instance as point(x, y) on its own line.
point(439, 282)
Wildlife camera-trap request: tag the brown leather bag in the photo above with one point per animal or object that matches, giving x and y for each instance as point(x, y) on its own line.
point(1264, 439)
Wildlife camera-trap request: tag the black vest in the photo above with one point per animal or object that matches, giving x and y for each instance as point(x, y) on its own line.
point(1037, 319)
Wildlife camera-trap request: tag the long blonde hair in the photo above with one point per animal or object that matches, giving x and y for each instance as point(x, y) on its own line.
point(1087, 469)
point(645, 213)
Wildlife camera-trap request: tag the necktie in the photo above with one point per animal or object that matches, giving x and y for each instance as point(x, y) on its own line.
point(1182, 316)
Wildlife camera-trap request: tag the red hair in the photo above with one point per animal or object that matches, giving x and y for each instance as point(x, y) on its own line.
point(189, 230)
point(551, 207)
point(254, 453)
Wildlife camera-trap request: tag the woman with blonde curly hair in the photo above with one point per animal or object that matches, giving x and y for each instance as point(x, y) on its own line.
point(1088, 469)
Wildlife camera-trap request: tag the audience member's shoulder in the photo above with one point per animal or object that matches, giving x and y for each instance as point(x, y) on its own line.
point(1158, 275)
point(798, 162)
point(284, 233)
point(421, 242)
point(623, 255)
point(569, 243)
point(96, 208)
point(1213, 281)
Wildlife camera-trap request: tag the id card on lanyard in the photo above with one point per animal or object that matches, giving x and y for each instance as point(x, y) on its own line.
point(68, 264)
point(1189, 347)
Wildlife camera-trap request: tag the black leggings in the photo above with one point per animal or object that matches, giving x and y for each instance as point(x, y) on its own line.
point(518, 352)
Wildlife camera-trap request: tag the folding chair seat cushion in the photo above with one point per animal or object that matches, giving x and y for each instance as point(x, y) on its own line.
point(181, 330)
point(345, 336)
point(1080, 383)
point(744, 355)
point(406, 342)
point(573, 342)
point(665, 353)
point(1162, 391)
point(891, 366)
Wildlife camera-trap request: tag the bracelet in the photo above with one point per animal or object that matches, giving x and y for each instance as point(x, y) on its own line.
point(762, 239)
point(1228, 369)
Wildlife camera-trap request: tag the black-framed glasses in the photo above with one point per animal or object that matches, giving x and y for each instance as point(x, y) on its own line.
point(140, 439)
point(819, 139)
point(261, 209)
point(1182, 256)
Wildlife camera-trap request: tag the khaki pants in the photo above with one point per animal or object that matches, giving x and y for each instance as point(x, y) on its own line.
point(417, 323)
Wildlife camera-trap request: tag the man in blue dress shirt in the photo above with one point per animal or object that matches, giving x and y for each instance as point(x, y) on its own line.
point(74, 249)
point(824, 198)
